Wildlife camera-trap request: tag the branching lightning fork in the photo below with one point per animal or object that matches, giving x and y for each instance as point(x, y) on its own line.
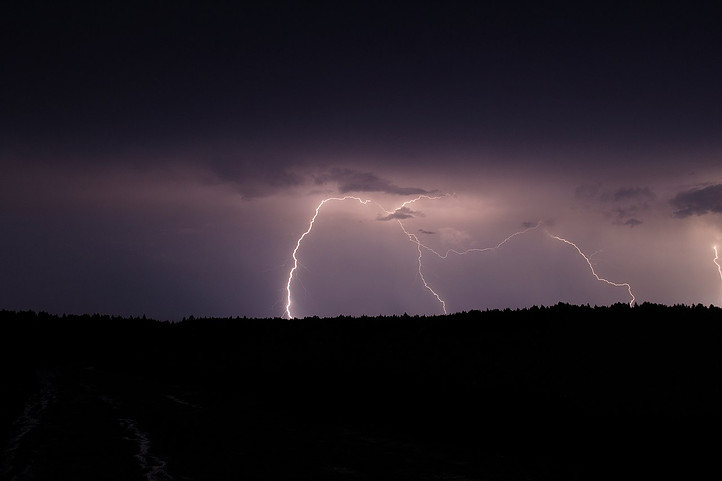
point(413, 238)
point(421, 247)
point(591, 267)
point(480, 249)
point(716, 262)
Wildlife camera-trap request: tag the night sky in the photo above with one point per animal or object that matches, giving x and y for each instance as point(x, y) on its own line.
point(164, 158)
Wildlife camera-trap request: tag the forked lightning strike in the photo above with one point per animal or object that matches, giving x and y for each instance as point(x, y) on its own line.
point(716, 262)
point(413, 238)
point(480, 249)
point(415, 199)
point(421, 247)
point(591, 268)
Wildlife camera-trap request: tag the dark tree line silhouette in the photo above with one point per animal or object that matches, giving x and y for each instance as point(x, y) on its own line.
point(573, 390)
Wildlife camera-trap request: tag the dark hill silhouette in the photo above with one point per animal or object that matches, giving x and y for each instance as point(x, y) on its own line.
point(561, 392)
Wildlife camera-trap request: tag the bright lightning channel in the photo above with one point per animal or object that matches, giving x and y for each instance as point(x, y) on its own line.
point(421, 247)
point(591, 268)
point(413, 238)
point(480, 249)
point(716, 261)
point(298, 244)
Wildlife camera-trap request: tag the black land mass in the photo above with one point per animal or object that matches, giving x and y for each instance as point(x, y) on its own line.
point(562, 392)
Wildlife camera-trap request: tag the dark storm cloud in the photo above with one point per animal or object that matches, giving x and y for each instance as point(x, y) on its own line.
point(624, 215)
point(254, 175)
point(350, 180)
point(627, 195)
point(260, 179)
point(698, 201)
point(427, 232)
point(283, 179)
point(622, 203)
point(401, 213)
point(632, 222)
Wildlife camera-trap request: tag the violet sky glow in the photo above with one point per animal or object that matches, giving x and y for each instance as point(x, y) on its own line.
point(164, 160)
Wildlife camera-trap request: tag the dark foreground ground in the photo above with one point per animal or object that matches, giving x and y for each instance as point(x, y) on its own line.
point(553, 393)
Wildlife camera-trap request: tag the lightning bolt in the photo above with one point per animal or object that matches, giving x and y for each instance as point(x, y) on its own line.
point(716, 261)
point(303, 236)
point(422, 247)
point(591, 268)
point(480, 249)
point(413, 238)
point(416, 199)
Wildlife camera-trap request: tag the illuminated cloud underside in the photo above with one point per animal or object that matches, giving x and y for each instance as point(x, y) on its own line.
point(167, 163)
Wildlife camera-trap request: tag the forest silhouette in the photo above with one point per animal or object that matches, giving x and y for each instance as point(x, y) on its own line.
point(560, 392)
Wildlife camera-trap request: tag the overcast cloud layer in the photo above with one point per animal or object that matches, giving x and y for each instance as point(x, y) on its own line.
point(164, 160)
